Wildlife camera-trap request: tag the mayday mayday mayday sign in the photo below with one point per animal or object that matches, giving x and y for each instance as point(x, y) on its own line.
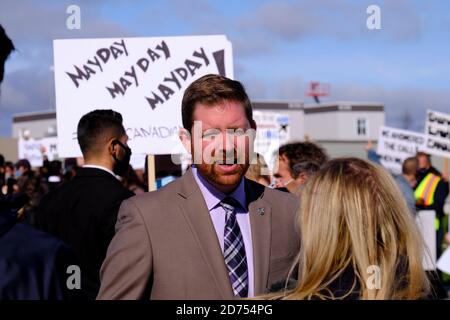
point(142, 78)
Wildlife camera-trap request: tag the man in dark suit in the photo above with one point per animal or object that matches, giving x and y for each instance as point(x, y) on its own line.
point(33, 265)
point(211, 234)
point(83, 212)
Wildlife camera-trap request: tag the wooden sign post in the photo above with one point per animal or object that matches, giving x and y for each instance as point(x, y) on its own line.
point(151, 176)
point(445, 169)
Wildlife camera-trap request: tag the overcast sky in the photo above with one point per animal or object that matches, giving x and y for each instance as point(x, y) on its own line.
point(278, 47)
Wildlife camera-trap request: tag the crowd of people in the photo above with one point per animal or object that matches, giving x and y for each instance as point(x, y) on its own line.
point(310, 228)
point(424, 188)
point(353, 214)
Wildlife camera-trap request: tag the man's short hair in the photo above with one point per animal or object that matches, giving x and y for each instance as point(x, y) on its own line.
point(96, 128)
point(423, 154)
point(410, 166)
point(23, 163)
point(209, 90)
point(303, 157)
point(6, 47)
point(9, 164)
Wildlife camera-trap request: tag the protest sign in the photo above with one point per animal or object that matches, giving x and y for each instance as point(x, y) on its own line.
point(142, 78)
point(395, 145)
point(437, 131)
point(425, 220)
point(34, 149)
point(272, 131)
point(443, 263)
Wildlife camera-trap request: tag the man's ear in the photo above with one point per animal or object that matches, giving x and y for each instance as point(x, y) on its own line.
point(302, 177)
point(185, 137)
point(111, 146)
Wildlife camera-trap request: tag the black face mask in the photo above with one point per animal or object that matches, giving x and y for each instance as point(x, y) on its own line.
point(422, 171)
point(121, 166)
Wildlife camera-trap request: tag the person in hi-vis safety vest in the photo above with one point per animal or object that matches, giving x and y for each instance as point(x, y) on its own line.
point(430, 193)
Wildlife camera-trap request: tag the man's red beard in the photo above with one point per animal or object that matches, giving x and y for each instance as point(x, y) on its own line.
point(223, 178)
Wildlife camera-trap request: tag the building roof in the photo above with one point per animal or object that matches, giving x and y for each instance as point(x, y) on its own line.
point(277, 104)
point(343, 106)
point(33, 116)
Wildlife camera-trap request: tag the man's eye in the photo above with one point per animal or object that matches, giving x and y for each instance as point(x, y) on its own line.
point(210, 134)
point(236, 132)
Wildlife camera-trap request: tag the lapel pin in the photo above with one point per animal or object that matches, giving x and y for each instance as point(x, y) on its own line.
point(261, 211)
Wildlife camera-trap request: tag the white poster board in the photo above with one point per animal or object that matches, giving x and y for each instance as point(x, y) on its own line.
point(273, 130)
point(425, 221)
point(33, 150)
point(437, 131)
point(137, 161)
point(395, 145)
point(443, 263)
point(142, 78)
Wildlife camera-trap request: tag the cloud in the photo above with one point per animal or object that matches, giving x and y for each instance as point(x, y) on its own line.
point(200, 15)
point(255, 87)
point(343, 20)
point(29, 82)
point(291, 88)
point(255, 45)
point(401, 21)
point(32, 24)
point(25, 90)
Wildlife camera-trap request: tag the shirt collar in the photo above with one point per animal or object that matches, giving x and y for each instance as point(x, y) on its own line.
point(213, 196)
point(101, 168)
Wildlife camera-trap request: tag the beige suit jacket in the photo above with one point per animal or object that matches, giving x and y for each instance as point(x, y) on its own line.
point(165, 246)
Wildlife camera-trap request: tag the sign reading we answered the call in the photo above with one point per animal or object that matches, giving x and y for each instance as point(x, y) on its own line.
point(395, 145)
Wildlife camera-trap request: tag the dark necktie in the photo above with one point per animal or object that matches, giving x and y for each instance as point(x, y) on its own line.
point(234, 250)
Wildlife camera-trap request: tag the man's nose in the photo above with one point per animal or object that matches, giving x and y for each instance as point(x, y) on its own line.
point(228, 141)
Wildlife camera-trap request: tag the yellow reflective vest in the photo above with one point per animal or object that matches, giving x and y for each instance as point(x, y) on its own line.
point(426, 189)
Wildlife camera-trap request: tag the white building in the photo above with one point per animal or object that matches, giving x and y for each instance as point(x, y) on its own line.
point(34, 124)
point(344, 121)
point(342, 128)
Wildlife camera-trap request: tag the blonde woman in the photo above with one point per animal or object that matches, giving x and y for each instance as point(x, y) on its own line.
point(258, 171)
point(358, 239)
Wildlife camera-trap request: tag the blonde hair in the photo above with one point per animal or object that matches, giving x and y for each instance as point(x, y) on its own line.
point(353, 215)
point(255, 170)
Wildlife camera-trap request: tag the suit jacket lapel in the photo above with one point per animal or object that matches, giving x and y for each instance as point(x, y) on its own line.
point(260, 220)
point(198, 218)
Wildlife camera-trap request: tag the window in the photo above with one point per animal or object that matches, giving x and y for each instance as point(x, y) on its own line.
point(362, 127)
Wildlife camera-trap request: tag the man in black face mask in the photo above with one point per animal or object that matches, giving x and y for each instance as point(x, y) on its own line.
point(121, 165)
point(83, 212)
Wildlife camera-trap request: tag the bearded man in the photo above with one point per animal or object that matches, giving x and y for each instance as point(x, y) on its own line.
point(211, 234)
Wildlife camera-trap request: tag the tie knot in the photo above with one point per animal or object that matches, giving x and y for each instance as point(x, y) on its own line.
point(229, 203)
